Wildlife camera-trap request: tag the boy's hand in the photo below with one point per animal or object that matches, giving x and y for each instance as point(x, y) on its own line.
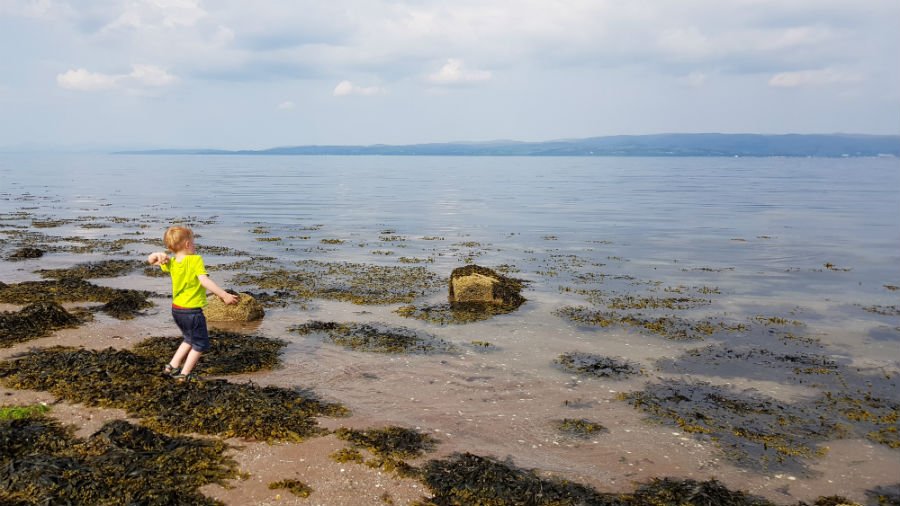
point(229, 298)
point(157, 258)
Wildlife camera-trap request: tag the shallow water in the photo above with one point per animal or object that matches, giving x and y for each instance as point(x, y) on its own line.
point(811, 240)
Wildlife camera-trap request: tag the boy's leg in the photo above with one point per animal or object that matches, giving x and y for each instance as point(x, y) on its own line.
point(180, 353)
point(192, 358)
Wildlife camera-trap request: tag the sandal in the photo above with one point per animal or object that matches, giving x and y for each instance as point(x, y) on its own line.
point(171, 371)
point(186, 378)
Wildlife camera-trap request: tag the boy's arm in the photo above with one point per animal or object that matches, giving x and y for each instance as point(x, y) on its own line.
point(211, 285)
point(157, 258)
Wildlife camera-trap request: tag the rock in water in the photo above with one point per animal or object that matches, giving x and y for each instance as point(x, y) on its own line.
point(474, 283)
point(247, 309)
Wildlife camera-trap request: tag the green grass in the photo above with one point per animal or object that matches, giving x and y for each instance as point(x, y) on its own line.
point(20, 412)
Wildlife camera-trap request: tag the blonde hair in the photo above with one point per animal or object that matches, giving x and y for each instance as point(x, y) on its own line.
point(176, 238)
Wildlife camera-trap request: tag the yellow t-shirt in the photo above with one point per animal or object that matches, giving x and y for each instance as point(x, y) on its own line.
point(186, 288)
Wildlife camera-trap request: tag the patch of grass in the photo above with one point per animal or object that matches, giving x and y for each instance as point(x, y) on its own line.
point(21, 412)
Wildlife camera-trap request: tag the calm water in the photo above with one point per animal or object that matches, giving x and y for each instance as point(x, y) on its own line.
point(759, 230)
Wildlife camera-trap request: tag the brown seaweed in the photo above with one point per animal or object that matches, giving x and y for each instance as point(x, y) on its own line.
point(91, 270)
point(296, 487)
point(376, 337)
point(390, 446)
point(121, 303)
point(345, 281)
point(34, 320)
point(41, 462)
point(597, 366)
point(230, 352)
point(126, 380)
point(26, 253)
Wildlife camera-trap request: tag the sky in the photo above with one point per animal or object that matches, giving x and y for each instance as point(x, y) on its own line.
point(255, 74)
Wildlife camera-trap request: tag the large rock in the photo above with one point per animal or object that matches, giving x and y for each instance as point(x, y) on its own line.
point(247, 309)
point(476, 284)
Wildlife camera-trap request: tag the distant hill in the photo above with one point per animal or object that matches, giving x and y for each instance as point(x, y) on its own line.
point(818, 145)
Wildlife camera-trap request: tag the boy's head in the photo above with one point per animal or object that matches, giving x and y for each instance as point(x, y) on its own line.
point(178, 238)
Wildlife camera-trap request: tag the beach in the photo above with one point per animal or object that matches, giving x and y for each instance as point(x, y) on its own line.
point(745, 319)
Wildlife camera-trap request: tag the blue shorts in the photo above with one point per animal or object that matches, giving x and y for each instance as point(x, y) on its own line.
point(192, 323)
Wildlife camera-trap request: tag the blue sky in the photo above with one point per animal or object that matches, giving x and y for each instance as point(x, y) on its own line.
point(238, 74)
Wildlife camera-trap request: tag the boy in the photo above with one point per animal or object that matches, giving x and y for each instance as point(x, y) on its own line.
point(189, 284)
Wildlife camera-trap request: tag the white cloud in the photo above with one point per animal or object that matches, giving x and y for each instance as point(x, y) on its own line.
point(84, 80)
point(455, 72)
point(287, 105)
point(148, 14)
point(345, 88)
point(813, 78)
point(141, 78)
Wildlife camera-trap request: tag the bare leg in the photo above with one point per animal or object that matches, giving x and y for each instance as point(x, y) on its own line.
point(191, 361)
point(180, 353)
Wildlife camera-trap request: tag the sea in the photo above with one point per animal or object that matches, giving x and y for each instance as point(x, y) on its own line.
point(778, 249)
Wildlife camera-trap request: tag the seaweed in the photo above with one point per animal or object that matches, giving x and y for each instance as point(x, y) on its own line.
point(126, 380)
point(376, 338)
point(389, 446)
point(474, 283)
point(670, 327)
point(457, 313)
point(751, 429)
point(580, 428)
point(34, 320)
point(230, 352)
point(597, 366)
point(122, 303)
point(25, 254)
point(296, 487)
point(884, 495)
point(90, 270)
point(42, 463)
point(345, 281)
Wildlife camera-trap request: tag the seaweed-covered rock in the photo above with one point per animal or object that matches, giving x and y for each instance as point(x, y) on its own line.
point(247, 309)
point(33, 321)
point(26, 253)
point(474, 283)
point(90, 270)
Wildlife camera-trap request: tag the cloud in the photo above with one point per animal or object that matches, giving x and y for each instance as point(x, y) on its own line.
point(141, 78)
point(345, 88)
point(287, 105)
point(144, 14)
point(694, 79)
point(821, 77)
point(455, 72)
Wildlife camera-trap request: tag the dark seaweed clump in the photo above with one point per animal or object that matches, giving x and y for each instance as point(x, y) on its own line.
point(126, 380)
point(345, 281)
point(597, 365)
point(865, 403)
point(390, 446)
point(296, 487)
point(753, 430)
point(33, 321)
point(42, 463)
point(454, 313)
point(90, 270)
point(670, 327)
point(119, 303)
point(25, 254)
point(579, 427)
point(376, 338)
point(230, 352)
point(471, 480)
